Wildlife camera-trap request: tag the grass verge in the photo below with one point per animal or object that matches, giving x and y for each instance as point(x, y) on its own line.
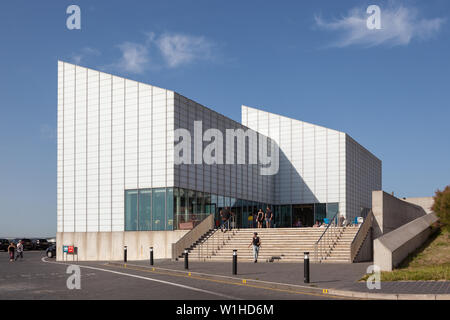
point(430, 262)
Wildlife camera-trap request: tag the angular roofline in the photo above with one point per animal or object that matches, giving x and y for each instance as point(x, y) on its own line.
point(242, 106)
point(316, 125)
point(114, 75)
point(346, 134)
point(212, 110)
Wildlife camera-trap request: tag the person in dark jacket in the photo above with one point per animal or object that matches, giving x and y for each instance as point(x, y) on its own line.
point(256, 243)
point(11, 251)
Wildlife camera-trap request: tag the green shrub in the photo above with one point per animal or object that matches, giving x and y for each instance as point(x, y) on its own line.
point(441, 206)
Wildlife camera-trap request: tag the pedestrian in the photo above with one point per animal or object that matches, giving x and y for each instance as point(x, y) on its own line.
point(256, 243)
point(341, 220)
point(11, 250)
point(19, 250)
point(225, 215)
point(269, 217)
point(231, 219)
point(260, 218)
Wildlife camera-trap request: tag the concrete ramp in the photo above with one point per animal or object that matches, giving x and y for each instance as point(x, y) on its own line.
point(392, 248)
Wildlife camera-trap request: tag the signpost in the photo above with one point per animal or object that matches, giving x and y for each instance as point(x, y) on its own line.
point(72, 250)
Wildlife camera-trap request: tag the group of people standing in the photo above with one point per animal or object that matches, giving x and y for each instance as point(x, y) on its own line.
point(260, 217)
point(12, 249)
point(255, 220)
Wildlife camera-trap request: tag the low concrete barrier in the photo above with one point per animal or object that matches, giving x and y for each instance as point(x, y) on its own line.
point(392, 248)
point(391, 213)
point(425, 202)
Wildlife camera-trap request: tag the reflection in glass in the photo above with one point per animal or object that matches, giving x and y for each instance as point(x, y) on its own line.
point(158, 209)
point(169, 209)
point(145, 210)
point(131, 210)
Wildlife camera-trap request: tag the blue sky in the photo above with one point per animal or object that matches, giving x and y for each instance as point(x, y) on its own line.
point(311, 60)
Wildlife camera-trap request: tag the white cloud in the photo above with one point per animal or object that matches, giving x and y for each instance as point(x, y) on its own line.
point(135, 58)
point(80, 56)
point(160, 51)
point(399, 26)
point(179, 49)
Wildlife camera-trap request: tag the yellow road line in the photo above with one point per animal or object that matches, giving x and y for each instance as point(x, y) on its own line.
point(244, 282)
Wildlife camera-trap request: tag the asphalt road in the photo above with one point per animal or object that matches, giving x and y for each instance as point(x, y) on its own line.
point(37, 277)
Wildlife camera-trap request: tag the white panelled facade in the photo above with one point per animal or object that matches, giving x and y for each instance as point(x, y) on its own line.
point(241, 181)
point(317, 164)
point(113, 134)
point(117, 135)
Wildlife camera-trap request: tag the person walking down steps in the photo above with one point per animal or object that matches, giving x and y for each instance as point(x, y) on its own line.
point(256, 242)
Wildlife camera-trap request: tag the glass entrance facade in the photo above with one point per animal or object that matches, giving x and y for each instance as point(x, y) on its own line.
point(182, 209)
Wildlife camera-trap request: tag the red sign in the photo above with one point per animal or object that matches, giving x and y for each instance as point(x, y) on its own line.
point(70, 250)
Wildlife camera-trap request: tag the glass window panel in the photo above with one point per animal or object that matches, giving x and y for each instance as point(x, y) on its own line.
point(277, 216)
point(191, 202)
point(145, 210)
point(227, 201)
point(177, 207)
point(285, 216)
point(169, 211)
point(131, 210)
point(198, 203)
point(320, 212)
point(158, 209)
point(182, 210)
point(332, 209)
point(247, 223)
point(232, 202)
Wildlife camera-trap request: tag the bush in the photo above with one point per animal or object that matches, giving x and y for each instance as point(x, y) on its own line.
point(441, 206)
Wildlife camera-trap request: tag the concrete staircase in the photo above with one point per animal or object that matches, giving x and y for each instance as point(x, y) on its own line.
point(277, 245)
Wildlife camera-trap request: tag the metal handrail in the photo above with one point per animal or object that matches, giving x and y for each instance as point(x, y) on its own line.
point(332, 219)
point(327, 236)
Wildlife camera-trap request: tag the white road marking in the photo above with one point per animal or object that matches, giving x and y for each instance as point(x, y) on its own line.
point(44, 259)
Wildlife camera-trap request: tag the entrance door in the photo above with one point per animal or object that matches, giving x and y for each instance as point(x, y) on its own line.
point(303, 213)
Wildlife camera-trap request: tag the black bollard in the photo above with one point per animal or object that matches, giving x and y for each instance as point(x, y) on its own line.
point(234, 261)
point(151, 256)
point(306, 271)
point(186, 259)
point(125, 254)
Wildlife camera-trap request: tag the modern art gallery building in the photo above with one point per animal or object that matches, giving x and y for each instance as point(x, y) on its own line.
point(138, 164)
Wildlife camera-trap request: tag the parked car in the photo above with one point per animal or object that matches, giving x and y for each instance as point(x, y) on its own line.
point(51, 250)
point(4, 244)
point(40, 244)
point(27, 244)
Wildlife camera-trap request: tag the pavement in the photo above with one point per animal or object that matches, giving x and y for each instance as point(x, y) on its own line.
point(341, 279)
point(37, 277)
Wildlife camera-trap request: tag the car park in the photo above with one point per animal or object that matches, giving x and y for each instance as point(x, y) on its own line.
point(40, 244)
point(51, 251)
point(4, 244)
point(27, 244)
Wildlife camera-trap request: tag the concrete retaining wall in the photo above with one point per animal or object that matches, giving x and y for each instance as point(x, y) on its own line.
point(425, 202)
point(107, 246)
point(392, 248)
point(365, 253)
point(391, 213)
